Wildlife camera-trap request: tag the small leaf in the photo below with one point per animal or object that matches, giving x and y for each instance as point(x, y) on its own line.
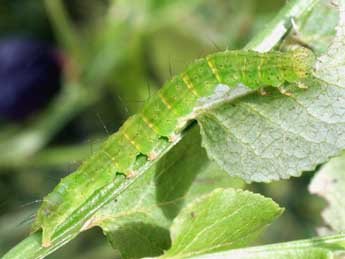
point(329, 183)
point(224, 219)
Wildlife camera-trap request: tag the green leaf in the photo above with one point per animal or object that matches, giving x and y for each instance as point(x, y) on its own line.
point(316, 34)
point(318, 248)
point(329, 183)
point(223, 219)
point(135, 237)
point(141, 216)
point(276, 137)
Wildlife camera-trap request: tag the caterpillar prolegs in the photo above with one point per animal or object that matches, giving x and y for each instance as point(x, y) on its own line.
point(164, 116)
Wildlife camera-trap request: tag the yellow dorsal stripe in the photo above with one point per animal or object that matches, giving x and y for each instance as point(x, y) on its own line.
point(149, 123)
point(131, 141)
point(259, 69)
point(214, 69)
point(166, 102)
point(189, 84)
point(244, 68)
point(113, 160)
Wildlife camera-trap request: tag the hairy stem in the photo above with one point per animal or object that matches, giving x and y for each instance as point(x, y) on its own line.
point(31, 247)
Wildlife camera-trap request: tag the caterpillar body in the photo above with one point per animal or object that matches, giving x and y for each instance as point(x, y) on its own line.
point(162, 117)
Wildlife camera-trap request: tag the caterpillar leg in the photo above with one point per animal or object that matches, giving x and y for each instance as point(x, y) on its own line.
point(262, 92)
point(131, 174)
point(173, 137)
point(283, 91)
point(152, 156)
point(302, 85)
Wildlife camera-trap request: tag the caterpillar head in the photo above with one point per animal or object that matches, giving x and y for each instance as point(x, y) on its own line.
point(304, 61)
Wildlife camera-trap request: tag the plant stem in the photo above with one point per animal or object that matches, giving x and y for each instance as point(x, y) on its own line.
point(64, 29)
point(31, 248)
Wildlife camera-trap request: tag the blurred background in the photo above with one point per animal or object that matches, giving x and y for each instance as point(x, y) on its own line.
point(72, 71)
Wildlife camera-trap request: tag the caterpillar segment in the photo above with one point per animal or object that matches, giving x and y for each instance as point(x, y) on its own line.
point(178, 96)
point(204, 76)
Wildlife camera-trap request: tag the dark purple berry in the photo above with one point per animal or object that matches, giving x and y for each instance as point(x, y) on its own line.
point(30, 75)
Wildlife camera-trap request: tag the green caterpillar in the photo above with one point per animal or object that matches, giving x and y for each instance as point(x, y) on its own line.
point(163, 117)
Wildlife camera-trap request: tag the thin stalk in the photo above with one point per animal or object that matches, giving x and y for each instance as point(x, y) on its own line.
point(64, 29)
point(31, 248)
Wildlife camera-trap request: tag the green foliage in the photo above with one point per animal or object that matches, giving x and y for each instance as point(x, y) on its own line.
point(219, 221)
point(171, 208)
point(144, 137)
